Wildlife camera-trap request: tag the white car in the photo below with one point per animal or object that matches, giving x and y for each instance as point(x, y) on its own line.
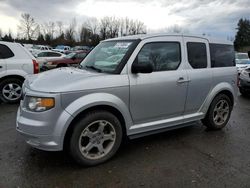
point(15, 63)
point(38, 48)
point(61, 48)
point(242, 61)
point(48, 55)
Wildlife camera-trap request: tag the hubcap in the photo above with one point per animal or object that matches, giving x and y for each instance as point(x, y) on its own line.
point(12, 91)
point(97, 139)
point(221, 112)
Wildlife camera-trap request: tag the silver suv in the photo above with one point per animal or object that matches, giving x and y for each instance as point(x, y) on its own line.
point(131, 86)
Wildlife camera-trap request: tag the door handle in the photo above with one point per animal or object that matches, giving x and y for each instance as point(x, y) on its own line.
point(1, 67)
point(182, 80)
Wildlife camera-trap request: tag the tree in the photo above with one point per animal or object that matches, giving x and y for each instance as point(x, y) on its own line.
point(92, 25)
point(70, 32)
point(28, 27)
point(85, 35)
point(59, 25)
point(1, 34)
point(242, 37)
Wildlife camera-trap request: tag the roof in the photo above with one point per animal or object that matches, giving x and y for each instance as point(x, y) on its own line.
point(146, 36)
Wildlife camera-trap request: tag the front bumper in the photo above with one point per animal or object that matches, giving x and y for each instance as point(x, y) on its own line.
point(43, 130)
point(244, 84)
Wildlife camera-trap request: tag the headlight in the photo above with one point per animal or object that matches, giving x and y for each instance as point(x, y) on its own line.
point(39, 104)
point(244, 73)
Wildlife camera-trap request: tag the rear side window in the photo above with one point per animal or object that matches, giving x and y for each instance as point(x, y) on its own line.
point(5, 52)
point(53, 54)
point(197, 54)
point(222, 55)
point(163, 55)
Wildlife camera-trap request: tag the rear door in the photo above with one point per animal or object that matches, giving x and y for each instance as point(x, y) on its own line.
point(5, 53)
point(199, 73)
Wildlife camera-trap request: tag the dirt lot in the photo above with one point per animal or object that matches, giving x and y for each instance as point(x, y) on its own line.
point(188, 157)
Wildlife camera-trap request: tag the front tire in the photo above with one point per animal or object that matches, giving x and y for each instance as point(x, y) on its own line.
point(11, 90)
point(218, 113)
point(95, 138)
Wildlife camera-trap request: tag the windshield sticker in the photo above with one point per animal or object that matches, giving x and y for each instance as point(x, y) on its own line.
point(122, 44)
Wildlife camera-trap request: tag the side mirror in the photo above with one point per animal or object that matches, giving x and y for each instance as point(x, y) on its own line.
point(143, 67)
point(73, 58)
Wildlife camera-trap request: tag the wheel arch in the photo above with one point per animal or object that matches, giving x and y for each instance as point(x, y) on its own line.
point(81, 114)
point(222, 88)
point(12, 76)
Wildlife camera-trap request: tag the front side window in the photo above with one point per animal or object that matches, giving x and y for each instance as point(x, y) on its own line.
point(5, 52)
point(197, 54)
point(81, 55)
point(222, 55)
point(163, 56)
point(107, 56)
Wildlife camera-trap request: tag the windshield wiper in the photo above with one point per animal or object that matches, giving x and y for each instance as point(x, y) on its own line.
point(93, 68)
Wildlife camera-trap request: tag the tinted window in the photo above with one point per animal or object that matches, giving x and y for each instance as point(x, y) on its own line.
point(197, 55)
point(81, 55)
point(163, 55)
point(222, 55)
point(42, 54)
point(5, 52)
point(53, 54)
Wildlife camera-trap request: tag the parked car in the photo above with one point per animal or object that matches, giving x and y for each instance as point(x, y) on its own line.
point(242, 61)
point(80, 48)
point(16, 62)
point(38, 48)
point(154, 83)
point(48, 55)
point(72, 59)
point(62, 49)
point(244, 82)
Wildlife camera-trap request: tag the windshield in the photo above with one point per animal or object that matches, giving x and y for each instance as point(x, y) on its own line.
point(69, 56)
point(242, 61)
point(59, 47)
point(106, 56)
point(241, 56)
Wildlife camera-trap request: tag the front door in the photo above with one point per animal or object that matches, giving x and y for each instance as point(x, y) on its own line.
point(161, 94)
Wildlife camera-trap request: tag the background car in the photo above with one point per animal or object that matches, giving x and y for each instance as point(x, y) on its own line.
point(48, 55)
point(62, 48)
point(82, 48)
point(242, 61)
point(38, 48)
point(244, 82)
point(72, 59)
point(16, 62)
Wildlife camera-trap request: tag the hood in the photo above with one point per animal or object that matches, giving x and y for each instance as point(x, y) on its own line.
point(60, 80)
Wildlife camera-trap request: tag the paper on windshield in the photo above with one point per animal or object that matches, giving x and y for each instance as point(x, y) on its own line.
point(122, 44)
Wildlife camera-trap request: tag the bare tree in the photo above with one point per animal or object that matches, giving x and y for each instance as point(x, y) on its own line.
point(28, 26)
point(59, 27)
point(104, 23)
point(92, 25)
point(70, 32)
point(85, 35)
point(48, 28)
point(1, 34)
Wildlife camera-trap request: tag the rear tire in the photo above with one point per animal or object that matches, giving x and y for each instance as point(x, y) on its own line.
point(243, 92)
point(218, 113)
point(11, 90)
point(95, 138)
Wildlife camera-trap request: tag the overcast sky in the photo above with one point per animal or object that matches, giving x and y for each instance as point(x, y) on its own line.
point(214, 17)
